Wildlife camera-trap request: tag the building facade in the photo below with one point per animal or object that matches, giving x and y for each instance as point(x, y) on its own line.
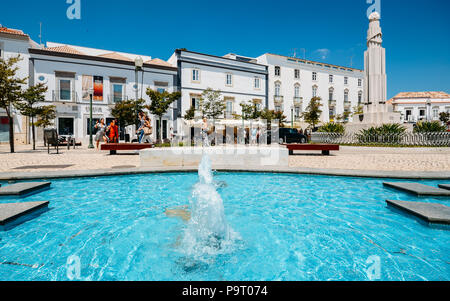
point(421, 106)
point(240, 79)
point(293, 82)
point(73, 73)
point(14, 42)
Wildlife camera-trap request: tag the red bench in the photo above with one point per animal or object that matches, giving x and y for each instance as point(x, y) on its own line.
point(325, 148)
point(114, 147)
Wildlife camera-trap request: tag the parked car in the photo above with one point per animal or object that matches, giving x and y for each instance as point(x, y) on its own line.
point(288, 135)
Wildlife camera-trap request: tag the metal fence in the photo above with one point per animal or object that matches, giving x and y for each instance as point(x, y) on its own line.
point(406, 139)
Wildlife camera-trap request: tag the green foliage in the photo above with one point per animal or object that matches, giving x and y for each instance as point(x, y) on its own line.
point(160, 103)
point(190, 114)
point(127, 111)
point(27, 106)
point(387, 133)
point(429, 127)
point(211, 104)
point(312, 113)
point(46, 116)
point(332, 127)
point(444, 117)
point(250, 110)
point(358, 110)
point(270, 115)
point(10, 91)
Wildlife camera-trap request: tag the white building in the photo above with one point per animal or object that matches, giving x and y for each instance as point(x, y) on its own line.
point(240, 79)
point(14, 42)
point(417, 106)
point(72, 73)
point(293, 82)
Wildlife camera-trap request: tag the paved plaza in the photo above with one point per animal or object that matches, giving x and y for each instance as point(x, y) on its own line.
point(348, 158)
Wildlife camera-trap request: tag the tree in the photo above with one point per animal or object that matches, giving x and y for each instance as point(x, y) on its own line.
point(250, 110)
point(26, 106)
point(313, 112)
point(160, 103)
point(10, 91)
point(126, 111)
point(190, 114)
point(358, 110)
point(211, 104)
point(444, 117)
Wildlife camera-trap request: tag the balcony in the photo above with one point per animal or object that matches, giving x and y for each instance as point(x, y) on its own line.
point(65, 96)
point(298, 101)
point(112, 100)
point(332, 103)
point(278, 99)
point(347, 104)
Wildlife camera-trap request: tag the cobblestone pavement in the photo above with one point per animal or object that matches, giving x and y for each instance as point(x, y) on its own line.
point(350, 158)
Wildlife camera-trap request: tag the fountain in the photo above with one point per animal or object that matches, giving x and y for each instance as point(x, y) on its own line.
point(207, 233)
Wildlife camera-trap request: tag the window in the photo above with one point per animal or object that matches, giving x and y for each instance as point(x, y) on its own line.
point(277, 89)
point(422, 112)
point(359, 97)
point(331, 79)
point(65, 89)
point(161, 90)
point(408, 115)
point(346, 96)
point(195, 75)
point(229, 79)
point(257, 83)
point(359, 82)
point(195, 101)
point(297, 112)
point(229, 106)
point(297, 73)
point(297, 91)
point(435, 113)
point(346, 80)
point(330, 94)
point(278, 108)
point(277, 71)
point(314, 76)
point(65, 126)
point(1, 50)
point(314, 91)
point(118, 94)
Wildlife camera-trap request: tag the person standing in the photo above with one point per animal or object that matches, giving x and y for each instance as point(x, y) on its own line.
point(101, 132)
point(148, 130)
point(113, 132)
point(140, 132)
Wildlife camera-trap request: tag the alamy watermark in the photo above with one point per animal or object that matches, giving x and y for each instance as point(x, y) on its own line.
point(374, 7)
point(74, 10)
point(73, 267)
point(373, 270)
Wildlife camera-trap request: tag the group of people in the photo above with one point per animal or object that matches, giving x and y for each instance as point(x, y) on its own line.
point(109, 134)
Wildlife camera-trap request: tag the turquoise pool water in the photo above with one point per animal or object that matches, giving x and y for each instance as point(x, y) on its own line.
point(291, 227)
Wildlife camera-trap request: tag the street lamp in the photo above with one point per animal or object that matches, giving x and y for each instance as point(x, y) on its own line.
point(292, 116)
point(138, 64)
point(91, 142)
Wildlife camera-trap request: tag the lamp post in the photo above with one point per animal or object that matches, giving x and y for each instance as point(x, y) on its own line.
point(292, 117)
point(138, 64)
point(91, 142)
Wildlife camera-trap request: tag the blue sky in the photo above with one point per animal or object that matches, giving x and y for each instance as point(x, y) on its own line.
point(416, 32)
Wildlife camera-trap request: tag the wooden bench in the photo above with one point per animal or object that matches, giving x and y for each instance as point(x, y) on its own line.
point(325, 148)
point(114, 147)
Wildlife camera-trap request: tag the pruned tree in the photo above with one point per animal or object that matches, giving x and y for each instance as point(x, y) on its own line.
point(10, 91)
point(190, 114)
point(126, 111)
point(28, 106)
point(312, 113)
point(160, 104)
point(250, 110)
point(211, 104)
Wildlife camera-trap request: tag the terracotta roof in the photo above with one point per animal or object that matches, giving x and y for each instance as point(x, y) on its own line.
point(13, 31)
point(64, 49)
point(116, 56)
point(159, 62)
point(412, 95)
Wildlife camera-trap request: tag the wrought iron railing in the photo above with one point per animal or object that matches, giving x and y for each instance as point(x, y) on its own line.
point(406, 139)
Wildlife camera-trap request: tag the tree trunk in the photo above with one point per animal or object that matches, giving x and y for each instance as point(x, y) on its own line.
point(33, 133)
point(160, 130)
point(11, 130)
